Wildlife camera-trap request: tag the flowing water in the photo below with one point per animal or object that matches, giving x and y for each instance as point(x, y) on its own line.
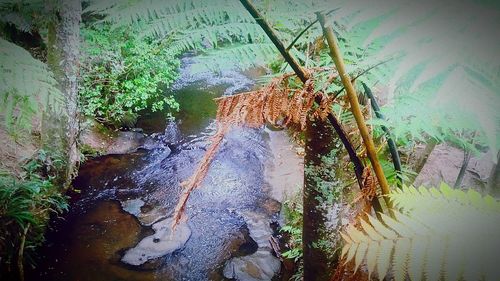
point(120, 197)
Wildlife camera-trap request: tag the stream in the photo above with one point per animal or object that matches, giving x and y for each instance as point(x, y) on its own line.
point(118, 224)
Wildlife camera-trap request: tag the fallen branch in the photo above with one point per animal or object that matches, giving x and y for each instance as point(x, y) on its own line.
point(196, 179)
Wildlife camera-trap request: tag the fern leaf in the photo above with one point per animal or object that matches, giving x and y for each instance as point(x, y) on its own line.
point(387, 233)
point(400, 260)
point(374, 235)
point(444, 234)
point(360, 254)
point(27, 86)
point(384, 258)
point(371, 256)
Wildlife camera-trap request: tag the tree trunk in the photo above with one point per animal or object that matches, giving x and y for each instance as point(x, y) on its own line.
point(63, 58)
point(429, 147)
point(493, 187)
point(317, 174)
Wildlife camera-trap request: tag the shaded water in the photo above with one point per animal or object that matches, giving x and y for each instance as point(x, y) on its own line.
point(90, 241)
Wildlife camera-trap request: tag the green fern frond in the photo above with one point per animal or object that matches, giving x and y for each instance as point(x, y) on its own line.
point(451, 40)
point(229, 33)
point(27, 86)
point(438, 234)
point(239, 57)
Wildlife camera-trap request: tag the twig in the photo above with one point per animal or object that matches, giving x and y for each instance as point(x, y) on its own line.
point(306, 29)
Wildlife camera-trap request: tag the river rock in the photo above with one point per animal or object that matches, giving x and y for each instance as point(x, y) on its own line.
point(261, 265)
point(259, 228)
point(133, 206)
point(126, 142)
point(163, 242)
point(146, 218)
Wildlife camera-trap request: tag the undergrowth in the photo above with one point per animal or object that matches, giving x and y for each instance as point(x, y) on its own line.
point(26, 204)
point(124, 73)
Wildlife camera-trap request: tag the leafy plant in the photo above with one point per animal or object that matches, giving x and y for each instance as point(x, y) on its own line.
point(124, 73)
point(436, 65)
point(438, 234)
point(292, 211)
point(25, 207)
point(221, 30)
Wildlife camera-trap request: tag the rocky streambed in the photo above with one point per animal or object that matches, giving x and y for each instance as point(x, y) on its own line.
point(119, 224)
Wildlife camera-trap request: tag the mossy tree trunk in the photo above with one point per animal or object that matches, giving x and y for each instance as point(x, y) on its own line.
point(319, 184)
point(63, 58)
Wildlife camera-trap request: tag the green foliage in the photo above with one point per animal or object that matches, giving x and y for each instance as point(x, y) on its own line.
point(25, 203)
point(220, 26)
point(444, 74)
point(292, 211)
point(24, 15)
point(431, 65)
point(438, 234)
point(27, 88)
point(123, 74)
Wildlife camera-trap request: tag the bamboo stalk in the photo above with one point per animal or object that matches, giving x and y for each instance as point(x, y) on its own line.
point(355, 108)
point(304, 76)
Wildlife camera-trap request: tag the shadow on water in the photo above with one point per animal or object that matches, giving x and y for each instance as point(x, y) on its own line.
point(118, 197)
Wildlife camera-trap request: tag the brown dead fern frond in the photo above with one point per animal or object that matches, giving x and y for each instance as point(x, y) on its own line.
point(276, 103)
point(201, 171)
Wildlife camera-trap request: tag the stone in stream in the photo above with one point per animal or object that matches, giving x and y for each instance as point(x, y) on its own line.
point(134, 207)
point(261, 265)
point(161, 243)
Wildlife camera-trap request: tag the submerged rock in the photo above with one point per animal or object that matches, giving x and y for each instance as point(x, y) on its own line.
point(161, 243)
point(133, 206)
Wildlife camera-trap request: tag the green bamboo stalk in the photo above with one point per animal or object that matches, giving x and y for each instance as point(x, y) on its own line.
point(355, 108)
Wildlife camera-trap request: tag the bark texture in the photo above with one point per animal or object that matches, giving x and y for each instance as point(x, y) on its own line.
point(317, 174)
point(63, 57)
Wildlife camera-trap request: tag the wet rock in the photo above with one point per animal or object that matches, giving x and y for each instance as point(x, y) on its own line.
point(126, 142)
point(133, 206)
point(146, 215)
point(284, 171)
point(152, 216)
point(259, 228)
point(161, 243)
point(261, 265)
point(172, 134)
point(156, 142)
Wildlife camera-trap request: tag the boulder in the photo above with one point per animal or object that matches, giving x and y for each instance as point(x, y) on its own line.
point(259, 266)
point(163, 242)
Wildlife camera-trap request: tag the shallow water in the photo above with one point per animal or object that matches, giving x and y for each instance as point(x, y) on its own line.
point(89, 242)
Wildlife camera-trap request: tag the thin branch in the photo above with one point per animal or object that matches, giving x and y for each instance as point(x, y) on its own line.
point(305, 30)
point(361, 74)
point(465, 163)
